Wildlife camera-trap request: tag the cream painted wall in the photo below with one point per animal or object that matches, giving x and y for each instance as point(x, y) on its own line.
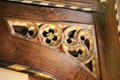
point(6, 74)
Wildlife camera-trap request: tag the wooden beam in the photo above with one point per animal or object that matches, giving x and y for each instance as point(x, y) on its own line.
point(108, 42)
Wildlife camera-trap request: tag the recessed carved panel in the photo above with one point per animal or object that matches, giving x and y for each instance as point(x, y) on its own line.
point(76, 41)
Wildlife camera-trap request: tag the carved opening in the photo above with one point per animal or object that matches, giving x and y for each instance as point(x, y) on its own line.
point(48, 41)
point(69, 41)
point(51, 31)
point(54, 38)
point(21, 30)
point(82, 38)
point(31, 33)
point(45, 34)
point(71, 34)
point(80, 51)
point(73, 53)
point(87, 43)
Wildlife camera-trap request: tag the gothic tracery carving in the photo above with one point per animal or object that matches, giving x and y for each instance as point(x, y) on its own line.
point(75, 41)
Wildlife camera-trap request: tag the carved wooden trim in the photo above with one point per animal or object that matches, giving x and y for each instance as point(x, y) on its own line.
point(80, 7)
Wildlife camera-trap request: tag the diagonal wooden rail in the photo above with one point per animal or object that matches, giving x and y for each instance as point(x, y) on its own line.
point(27, 53)
point(23, 52)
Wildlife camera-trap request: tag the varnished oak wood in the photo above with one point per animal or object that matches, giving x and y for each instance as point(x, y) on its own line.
point(79, 1)
point(108, 43)
point(83, 3)
point(93, 4)
point(27, 53)
point(33, 55)
point(39, 13)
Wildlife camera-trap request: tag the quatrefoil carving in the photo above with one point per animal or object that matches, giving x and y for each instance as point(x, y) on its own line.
point(75, 41)
point(50, 34)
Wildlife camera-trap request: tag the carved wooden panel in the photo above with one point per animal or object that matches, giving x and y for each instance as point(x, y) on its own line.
point(75, 40)
point(30, 28)
point(19, 51)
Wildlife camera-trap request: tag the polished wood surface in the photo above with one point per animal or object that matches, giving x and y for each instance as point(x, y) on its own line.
point(39, 13)
point(91, 4)
point(27, 53)
point(85, 3)
point(108, 42)
point(33, 55)
point(80, 1)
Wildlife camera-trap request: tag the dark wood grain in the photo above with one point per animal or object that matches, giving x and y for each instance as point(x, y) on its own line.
point(79, 3)
point(28, 53)
point(83, 1)
point(39, 13)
